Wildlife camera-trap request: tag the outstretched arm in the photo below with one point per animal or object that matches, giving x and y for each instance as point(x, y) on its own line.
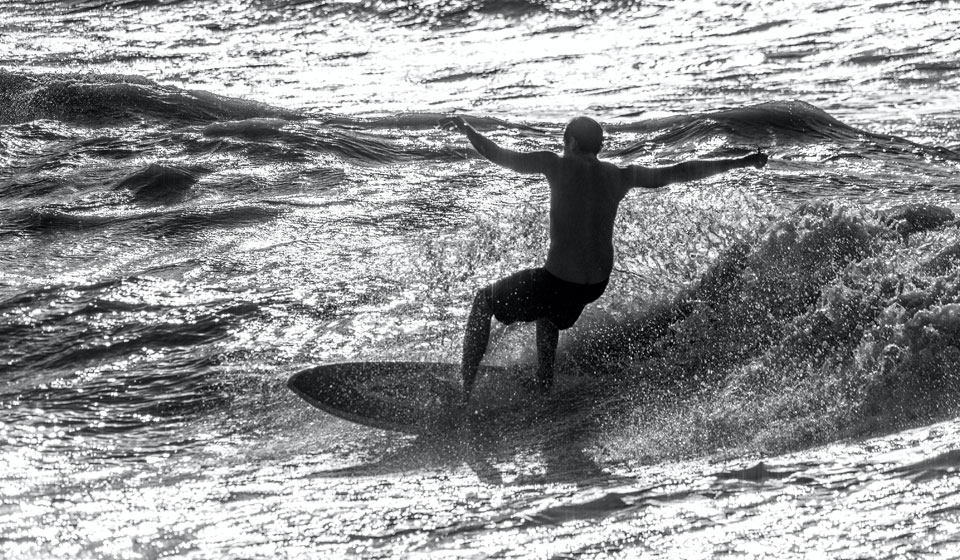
point(521, 162)
point(655, 177)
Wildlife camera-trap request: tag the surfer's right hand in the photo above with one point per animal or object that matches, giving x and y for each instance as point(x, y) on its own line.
point(757, 160)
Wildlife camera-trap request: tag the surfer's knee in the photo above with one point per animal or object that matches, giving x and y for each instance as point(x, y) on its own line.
point(481, 301)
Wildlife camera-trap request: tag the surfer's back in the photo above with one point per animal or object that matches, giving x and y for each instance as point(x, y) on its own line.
point(584, 196)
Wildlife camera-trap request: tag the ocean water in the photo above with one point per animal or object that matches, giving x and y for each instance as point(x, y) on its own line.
point(200, 199)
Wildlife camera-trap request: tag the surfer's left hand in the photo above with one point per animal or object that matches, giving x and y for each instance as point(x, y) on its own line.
point(454, 123)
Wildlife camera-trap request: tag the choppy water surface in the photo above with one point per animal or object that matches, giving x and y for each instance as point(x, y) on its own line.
point(202, 198)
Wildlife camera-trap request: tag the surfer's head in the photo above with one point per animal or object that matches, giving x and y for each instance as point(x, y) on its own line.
point(586, 133)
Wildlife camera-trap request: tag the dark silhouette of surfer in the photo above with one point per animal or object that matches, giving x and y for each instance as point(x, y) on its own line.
point(584, 196)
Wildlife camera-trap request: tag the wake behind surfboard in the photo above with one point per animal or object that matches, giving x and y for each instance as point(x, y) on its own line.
point(416, 397)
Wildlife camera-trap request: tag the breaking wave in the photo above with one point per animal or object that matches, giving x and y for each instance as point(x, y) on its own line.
point(835, 322)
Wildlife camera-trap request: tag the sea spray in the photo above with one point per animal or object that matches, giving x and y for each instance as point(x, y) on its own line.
point(823, 334)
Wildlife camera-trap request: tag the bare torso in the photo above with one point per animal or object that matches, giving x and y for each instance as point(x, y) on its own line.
point(584, 196)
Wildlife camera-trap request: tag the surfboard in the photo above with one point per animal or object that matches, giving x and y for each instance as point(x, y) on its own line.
point(416, 397)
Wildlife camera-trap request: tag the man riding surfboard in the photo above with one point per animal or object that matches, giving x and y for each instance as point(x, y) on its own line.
point(585, 194)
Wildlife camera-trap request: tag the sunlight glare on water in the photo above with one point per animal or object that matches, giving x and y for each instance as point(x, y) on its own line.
point(201, 199)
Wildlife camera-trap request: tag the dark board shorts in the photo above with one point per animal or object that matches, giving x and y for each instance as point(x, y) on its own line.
point(534, 294)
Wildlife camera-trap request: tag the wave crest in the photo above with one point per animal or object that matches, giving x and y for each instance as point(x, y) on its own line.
point(827, 326)
point(102, 98)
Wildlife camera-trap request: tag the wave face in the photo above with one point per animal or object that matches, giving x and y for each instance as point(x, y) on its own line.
point(824, 326)
point(198, 199)
point(102, 98)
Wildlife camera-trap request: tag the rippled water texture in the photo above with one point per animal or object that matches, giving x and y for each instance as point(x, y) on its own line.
point(199, 199)
point(884, 63)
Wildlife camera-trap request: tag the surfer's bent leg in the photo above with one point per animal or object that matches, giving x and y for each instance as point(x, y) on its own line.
point(475, 340)
point(547, 337)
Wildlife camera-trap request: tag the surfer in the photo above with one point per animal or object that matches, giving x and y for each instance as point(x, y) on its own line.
point(584, 196)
